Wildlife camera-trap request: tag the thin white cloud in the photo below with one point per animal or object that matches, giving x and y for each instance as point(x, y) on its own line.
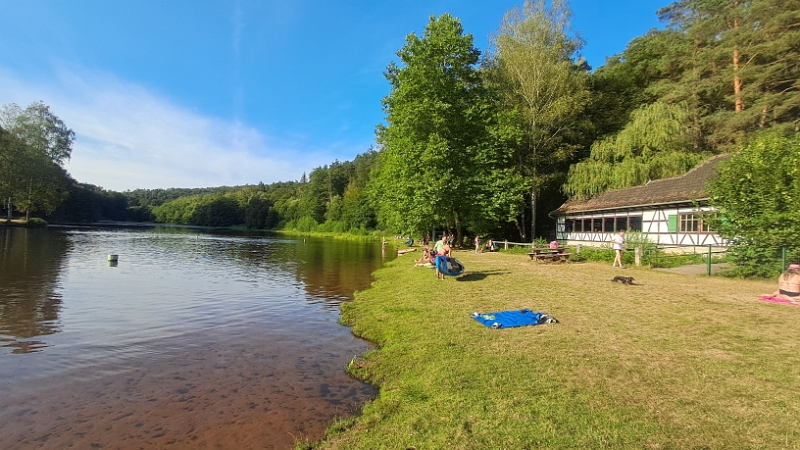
point(128, 137)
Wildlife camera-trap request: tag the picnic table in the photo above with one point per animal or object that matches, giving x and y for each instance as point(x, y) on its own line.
point(547, 254)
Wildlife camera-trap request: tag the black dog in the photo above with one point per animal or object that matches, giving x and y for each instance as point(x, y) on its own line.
point(623, 280)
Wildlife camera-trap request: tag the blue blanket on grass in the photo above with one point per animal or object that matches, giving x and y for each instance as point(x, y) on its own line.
point(516, 318)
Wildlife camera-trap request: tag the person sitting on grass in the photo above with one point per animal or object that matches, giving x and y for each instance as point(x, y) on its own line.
point(426, 256)
point(789, 284)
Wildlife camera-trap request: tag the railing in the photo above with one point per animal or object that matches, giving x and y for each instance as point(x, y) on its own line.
point(656, 254)
point(507, 243)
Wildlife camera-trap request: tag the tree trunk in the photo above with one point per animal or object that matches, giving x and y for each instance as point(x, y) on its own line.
point(9, 208)
point(695, 97)
point(459, 234)
point(737, 79)
point(534, 195)
point(30, 200)
point(520, 228)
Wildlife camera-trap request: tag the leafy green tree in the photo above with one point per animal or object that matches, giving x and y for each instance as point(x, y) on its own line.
point(217, 211)
point(758, 194)
point(34, 145)
point(438, 162)
point(259, 213)
point(655, 144)
point(357, 209)
point(422, 148)
point(90, 203)
point(544, 87)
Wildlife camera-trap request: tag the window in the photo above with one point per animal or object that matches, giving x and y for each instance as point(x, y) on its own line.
point(608, 223)
point(635, 223)
point(621, 224)
point(692, 223)
point(603, 224)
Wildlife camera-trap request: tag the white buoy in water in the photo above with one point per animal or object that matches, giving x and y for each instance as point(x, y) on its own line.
point(113, 257)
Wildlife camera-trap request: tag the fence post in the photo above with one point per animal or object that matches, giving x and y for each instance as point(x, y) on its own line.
point(709, 260)
point(505, 244)
point(638, 253)
point(578, 249)
point(783, 259)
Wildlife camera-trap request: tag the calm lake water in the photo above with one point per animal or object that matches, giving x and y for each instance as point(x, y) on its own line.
point(193, 340)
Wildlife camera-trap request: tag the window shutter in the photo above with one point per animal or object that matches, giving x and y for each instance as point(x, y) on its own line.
point(672, 224)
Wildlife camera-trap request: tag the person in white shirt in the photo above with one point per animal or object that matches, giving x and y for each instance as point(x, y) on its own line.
point(618, 244)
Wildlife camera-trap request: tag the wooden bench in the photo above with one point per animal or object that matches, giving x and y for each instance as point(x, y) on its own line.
point(549, 255)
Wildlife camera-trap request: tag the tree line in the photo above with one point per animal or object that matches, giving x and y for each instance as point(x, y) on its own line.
point(490, 142)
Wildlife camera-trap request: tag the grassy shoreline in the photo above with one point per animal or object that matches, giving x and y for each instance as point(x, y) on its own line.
point(375, 236)
point(675, 362)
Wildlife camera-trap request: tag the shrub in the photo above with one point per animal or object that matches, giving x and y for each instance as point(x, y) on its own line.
point(35, 222)
point(753, 260)
point(306, 224)
point(757, 193)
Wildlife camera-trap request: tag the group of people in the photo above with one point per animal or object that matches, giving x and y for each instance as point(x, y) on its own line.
point(441, 249)
point(488, 246)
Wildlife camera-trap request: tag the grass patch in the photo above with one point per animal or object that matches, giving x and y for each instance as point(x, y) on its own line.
point(371, 237)
point(514, 249)
point(674, 362)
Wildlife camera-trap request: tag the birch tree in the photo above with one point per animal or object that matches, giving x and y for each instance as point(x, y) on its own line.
point(533, 56)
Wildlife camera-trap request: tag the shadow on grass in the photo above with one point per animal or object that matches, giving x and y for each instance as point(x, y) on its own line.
point(478, 276)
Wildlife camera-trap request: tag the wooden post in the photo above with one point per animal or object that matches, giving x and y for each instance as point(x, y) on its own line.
point(578, 249)
point(505, 243)
point(638, 253)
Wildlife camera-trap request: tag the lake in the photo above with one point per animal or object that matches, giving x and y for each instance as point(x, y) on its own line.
point(193, 339)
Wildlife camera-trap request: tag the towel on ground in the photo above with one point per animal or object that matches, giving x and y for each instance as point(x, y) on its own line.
point(780, 300)
point(515, 318)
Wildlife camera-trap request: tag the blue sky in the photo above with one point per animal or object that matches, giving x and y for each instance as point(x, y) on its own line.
point(190, 93)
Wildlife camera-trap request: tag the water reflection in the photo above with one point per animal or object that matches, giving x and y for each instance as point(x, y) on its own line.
point(30, 264)
point(162, 262)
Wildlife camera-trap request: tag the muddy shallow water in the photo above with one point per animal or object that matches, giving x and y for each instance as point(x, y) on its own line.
point(190, 341)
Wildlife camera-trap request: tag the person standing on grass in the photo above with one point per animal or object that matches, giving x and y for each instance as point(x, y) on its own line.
point(438, 248)
point(618, 244)
point(477, 243)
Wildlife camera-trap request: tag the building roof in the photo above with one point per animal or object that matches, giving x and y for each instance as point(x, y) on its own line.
point(683, 188)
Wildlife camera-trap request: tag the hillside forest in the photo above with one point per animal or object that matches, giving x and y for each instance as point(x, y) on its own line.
point(488, 142)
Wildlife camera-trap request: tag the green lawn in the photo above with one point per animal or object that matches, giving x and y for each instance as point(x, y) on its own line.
point(674, 362)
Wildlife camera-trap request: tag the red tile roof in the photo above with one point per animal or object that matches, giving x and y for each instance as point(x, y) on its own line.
point(684, 188)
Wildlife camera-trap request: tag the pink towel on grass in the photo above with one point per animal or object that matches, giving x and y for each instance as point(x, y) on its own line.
point(782, 301)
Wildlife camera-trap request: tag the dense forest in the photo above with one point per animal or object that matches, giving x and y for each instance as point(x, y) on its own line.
point(485, 142)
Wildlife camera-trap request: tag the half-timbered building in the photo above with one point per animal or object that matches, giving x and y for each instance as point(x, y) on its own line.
point(670, 212)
